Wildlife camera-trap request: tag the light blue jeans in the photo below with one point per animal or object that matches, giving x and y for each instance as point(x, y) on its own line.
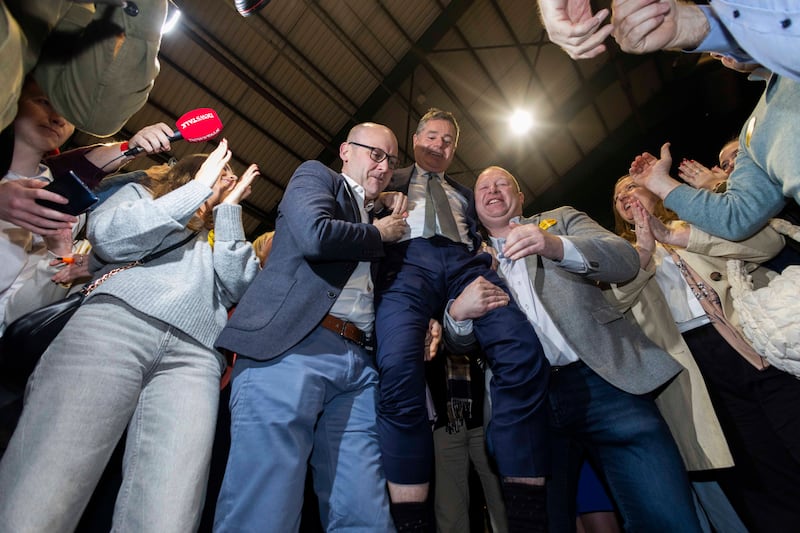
point(113, 367)
point(316, 402)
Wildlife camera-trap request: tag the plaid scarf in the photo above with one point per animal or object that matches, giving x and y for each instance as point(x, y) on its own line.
point(459, 391)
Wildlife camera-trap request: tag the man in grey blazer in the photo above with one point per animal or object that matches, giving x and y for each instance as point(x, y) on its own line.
point(603, 368)
point(305, 383)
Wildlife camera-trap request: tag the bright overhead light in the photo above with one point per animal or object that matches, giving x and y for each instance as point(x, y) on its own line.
point(521, 121)
point(172, 21)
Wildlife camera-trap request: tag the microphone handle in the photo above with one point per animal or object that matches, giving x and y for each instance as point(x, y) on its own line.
point(136, 150)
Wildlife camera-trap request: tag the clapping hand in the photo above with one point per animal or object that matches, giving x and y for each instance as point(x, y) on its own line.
point(243, 186)
point(699, 176)
point(571, 25)
point(653, 173)
point(212, 167)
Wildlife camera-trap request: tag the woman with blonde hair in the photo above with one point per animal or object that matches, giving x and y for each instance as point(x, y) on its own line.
point(681, 299)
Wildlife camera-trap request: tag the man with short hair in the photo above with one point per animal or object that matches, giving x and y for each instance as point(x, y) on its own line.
point(305, 382)
point(431, 264)
point(603, 368)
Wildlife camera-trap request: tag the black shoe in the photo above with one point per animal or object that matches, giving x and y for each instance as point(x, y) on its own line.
point(248, 7)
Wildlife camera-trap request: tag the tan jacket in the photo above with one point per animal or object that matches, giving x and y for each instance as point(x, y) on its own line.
point(98, 89)
point(699, 436)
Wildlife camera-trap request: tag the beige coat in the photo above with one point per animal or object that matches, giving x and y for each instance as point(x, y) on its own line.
point(699, 436)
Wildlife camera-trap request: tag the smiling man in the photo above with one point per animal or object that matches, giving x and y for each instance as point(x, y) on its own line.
point(305, 382)
point(603, 368)
point(433, 262)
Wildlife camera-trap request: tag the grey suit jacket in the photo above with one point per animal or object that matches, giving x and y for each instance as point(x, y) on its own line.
point(609, 344)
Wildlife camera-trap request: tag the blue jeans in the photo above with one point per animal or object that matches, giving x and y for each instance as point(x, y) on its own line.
point(318, 402)
point(109, 368)
point(628, 442)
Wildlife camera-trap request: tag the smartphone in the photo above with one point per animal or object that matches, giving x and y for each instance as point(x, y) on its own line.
point(73, 189)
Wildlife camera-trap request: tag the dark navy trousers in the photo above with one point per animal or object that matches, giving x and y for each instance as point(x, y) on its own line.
point(417, 279)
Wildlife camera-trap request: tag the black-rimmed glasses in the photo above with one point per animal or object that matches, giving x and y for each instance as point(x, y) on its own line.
point(378, 155)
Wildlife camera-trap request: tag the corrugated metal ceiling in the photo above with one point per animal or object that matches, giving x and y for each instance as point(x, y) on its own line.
point(289, 81)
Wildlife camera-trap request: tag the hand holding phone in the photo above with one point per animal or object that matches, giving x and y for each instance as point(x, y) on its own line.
point(73, 189)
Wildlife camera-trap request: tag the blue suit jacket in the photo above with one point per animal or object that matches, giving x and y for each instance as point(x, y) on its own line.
point(319, 240)
point(402, 178)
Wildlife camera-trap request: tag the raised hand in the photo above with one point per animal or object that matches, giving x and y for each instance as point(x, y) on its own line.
point(571, 25)
point(699, 176)
point(243, 186)
point(653, 173)
point(643, 26)
point(212, 167)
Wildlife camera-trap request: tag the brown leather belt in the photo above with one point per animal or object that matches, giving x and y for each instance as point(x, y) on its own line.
point(348, 330)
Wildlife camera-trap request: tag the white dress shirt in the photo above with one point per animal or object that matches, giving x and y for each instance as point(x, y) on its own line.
point(417, 195)
point(518, 279)
point(686, 310)
point(355, 303)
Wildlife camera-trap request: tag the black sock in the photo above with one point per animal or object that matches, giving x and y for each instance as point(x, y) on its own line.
point(410, 517)
point(526, 507)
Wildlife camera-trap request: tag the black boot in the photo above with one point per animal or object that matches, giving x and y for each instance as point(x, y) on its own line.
point(526, 507)
point(410, 517)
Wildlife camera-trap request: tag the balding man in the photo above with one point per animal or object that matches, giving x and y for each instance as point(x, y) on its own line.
point(603, 368)
point(305, 382)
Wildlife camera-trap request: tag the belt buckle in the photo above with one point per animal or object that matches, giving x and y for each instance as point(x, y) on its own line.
point(343, 328)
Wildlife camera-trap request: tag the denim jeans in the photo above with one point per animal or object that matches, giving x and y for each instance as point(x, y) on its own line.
point(630, 445)
point(109, 368)
point(315, 402)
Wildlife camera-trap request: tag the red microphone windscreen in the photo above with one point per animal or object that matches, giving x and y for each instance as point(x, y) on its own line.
point(199, 125)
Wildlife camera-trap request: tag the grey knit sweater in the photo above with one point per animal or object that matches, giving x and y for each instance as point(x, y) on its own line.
point(192, 286)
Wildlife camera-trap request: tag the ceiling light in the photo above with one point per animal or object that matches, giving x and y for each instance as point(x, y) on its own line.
point(172, 19)
point(521, 121)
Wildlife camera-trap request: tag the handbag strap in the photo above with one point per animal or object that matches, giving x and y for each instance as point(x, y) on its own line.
point(711, 304)
point(92, 285)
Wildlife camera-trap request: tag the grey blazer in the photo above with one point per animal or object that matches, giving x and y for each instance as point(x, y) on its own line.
point(609, 344)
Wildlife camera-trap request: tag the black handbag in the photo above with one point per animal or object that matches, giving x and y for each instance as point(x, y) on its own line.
point(26, 339)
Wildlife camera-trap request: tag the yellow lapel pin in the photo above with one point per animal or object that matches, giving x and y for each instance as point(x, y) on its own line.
point(547, 223)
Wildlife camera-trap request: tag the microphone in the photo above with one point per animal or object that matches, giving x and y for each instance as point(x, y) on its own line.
point(196, 126)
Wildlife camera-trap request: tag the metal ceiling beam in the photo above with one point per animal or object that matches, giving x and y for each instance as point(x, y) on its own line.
point(217, 49)
point(404, 68)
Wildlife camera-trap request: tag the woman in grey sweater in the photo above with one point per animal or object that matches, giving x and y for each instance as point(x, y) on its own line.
point(137, 354)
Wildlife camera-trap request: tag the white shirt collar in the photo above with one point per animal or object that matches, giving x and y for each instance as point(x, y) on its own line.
point(360, 193)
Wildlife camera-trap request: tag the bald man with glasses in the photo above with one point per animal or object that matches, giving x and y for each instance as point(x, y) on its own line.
point(305, 382)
